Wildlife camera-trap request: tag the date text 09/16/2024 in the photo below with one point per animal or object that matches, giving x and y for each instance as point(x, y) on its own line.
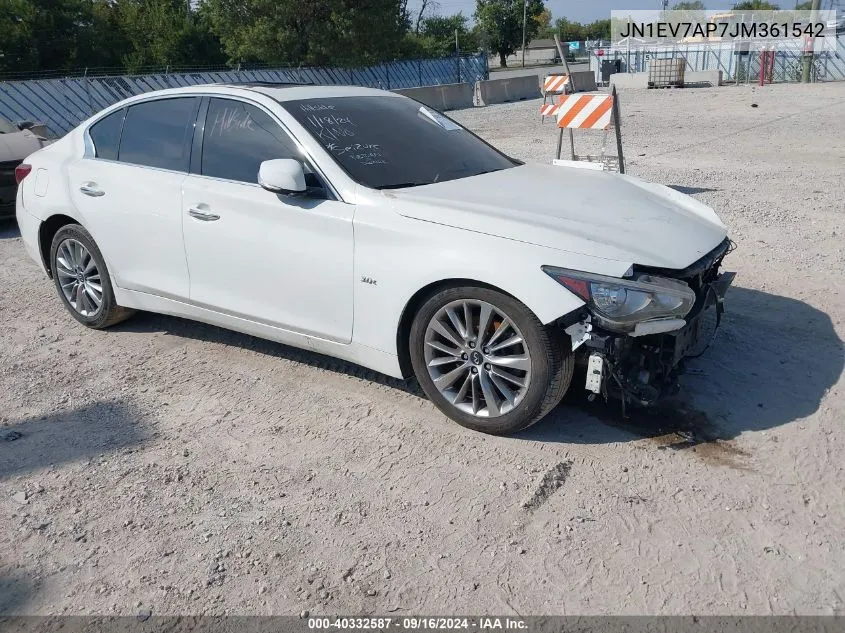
point(418, 623)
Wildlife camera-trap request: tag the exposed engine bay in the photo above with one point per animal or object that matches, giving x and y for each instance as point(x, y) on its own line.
point(641, 366)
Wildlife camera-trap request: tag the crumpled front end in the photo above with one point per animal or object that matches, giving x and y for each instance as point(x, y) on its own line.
point(642, 365)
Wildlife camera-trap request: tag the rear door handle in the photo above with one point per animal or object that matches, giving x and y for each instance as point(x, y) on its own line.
point(91, 189)
point(202, 214)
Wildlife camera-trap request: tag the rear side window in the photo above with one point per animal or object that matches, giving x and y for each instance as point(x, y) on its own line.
point(238, 137)
point(159, 133)
point(105, 134)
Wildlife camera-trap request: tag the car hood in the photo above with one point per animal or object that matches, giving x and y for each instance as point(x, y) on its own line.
point(591, 212)
point(18, 145)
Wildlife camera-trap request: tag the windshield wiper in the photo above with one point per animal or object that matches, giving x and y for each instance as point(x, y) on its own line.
point(402, 185)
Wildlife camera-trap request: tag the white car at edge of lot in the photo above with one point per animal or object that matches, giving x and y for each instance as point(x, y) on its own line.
point(363, 225)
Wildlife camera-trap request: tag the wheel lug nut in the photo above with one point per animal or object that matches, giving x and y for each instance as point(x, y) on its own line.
point(472, 344)
point(475, 370)
point(464, 356)
point(487, 366)
point(486, 350)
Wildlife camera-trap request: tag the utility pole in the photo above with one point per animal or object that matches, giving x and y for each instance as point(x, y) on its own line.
point(457, 56)
point(524, 20)
point(809, 55)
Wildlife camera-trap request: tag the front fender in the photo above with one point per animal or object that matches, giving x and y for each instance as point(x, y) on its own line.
point(396, 257)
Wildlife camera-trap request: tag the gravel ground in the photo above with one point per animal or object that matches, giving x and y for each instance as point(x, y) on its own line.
point(170, 467)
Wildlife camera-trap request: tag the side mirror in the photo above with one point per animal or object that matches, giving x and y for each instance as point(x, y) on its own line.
point(25, 125)
point(282, 175)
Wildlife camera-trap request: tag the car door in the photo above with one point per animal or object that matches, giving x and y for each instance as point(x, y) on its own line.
point(128, 190)
point(281, 260)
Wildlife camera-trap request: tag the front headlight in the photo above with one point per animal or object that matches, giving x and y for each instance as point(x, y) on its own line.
point(620, 304)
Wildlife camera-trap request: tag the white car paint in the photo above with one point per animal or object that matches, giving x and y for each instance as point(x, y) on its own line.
point(292, 270)
point(298, 251)
point(137, 223)
point(594, 213)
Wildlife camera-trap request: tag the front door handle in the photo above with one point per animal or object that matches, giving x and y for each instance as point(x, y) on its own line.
point(91, 189)
point(202, 214)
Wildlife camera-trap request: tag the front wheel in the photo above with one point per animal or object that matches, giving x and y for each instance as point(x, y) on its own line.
point(486, 361)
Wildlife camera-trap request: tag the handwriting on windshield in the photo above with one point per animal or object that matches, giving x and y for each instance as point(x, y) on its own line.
point(335, 131)
point(231, 120)
point(340, 150)
point(315, 107)
point(331, 127)
point(364, 153)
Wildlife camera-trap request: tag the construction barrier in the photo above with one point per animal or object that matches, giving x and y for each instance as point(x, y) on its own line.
point(504, 90)
point(445, 97)
point(555, 84)
point(587, 112)
point(590, 112)
point(549, 109)
point(583, 81)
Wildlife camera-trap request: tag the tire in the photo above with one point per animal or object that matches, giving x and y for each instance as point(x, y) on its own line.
point(74, 256)
point(480, 366)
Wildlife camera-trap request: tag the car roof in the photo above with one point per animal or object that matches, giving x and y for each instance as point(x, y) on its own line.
point(289, 92)
point(278, 92)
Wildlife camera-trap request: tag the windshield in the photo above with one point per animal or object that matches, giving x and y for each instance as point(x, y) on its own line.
point(6, 127)
point(388, 142)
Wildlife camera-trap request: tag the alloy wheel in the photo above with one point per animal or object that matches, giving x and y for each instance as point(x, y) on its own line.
point(477, 358)
point(79, 277)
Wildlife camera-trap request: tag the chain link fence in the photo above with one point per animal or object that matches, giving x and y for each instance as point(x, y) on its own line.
point(737, 65)
point(63, 102)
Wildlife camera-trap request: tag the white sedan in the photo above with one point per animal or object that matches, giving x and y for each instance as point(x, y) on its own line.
point(364, 225)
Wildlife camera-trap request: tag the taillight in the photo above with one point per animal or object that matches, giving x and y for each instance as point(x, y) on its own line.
point(21, 172)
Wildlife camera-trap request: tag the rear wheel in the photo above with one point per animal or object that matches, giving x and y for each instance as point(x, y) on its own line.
point(82, 279)
point(486, 361)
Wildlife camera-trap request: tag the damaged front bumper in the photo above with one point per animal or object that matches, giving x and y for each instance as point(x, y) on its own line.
point(641, 366)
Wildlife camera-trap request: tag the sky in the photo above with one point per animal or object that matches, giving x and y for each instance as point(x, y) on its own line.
point(575, 10)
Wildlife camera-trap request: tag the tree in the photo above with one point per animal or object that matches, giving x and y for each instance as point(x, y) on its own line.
point(685, 13)
point(320, 32)
point(501, 22)
point(41, 33)
point(127, 34)
point(598, 30)
point(425, 5)
point(164, 33)
point(544, 21)
point(18, 46)
point(569, 31)
point(438, 35)
point(755, 5)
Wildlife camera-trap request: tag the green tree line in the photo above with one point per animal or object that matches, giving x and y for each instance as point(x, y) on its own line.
point(59, 35)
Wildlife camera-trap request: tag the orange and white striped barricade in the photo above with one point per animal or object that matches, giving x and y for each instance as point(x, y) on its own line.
point(549, 109)
point(554, 84)
point(590, 112)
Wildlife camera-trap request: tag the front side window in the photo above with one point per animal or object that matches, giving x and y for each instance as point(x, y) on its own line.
point(105, 134)
point(158, 133)
point(389, 142)
point(238, 137)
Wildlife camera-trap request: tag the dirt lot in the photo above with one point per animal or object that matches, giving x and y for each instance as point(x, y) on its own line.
point(173, 467)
